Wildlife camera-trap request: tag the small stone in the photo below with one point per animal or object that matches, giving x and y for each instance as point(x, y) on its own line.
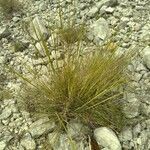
point(5, 113)
point(5, 122)
point(55, 55)
point(4, 32)
point(109, 10)
point(2, 145)
point(41, 127)
point(42, 6)
point(38, 29)
point(62, 142)
point(107, 3)
point(28, 143)
point(53, 139)
point(76, 129)
point(40, 48)
point(131, 109)
point(58, 63)
point(145, 109)
point(100, 30)
point(2, 59)
point(140, 67)
point(102, 3)
point(93, 11)
point(146, 56)
point(137, 130)
point(15, 19)
point(137, 77)
point(106, 137)
point(126, 135)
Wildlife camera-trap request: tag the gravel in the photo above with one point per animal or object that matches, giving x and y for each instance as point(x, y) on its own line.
point(129, 21)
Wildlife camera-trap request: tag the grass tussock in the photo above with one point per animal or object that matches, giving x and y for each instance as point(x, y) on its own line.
point(10, 6)
point(87, 87)
point(71, 34)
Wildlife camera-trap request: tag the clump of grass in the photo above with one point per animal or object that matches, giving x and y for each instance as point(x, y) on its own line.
point(10, 6)
point(88, 87)
point(71, 34)
point(19, 46)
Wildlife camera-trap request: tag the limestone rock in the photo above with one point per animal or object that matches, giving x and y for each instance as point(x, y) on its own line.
point(40, 48)
point(5, 113)
point(2, 145)
point(99, 30)
point(107, 3)
point(146, 56)
point(109, 10)
point(93, 11)
point(38, 29)
point(4, 32)
point(131, 109)
point(106, 137)
point(28, 143)
point(76, 129)
point(145, 109)
point(64, 143)
point(41, 127)
point(126, 135)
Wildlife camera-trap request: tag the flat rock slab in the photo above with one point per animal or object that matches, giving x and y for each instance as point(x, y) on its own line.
point(41, 127)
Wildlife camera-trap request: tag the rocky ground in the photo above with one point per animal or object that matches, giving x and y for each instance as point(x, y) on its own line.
point(130, 20)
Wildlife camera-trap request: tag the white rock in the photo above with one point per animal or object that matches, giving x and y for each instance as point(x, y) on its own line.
point(146, 56)
point(137, 130)
point(145, 108)
point(140, 67)
point(28, 143)
point(53, 139)
point(100, 30)
point(2, 145)
point(62, 142)
point(137, 77)
point(6, 122)
point(109, 10)
point(38, 29)
point(93, 11)
point(16, 19)
point(5, 113)
point(55, 55)
point(40, 48)
point(131, 109)
point(58, 63)
point(41, 127)
point(2, 59)
point(106, 3)
point(126, 135)
point(102, 3)
point(106, 137)
point(76, 129)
